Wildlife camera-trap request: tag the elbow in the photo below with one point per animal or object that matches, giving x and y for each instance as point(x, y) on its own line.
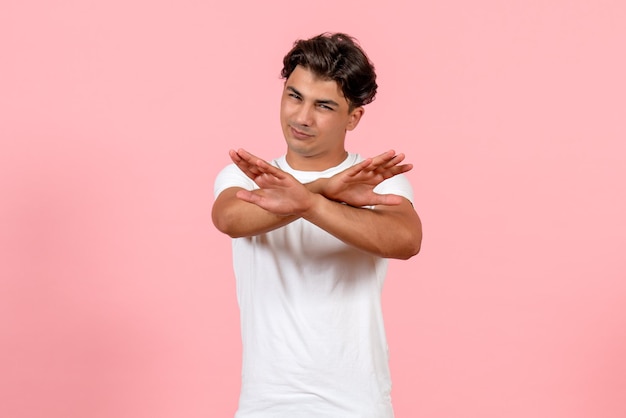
point(403, 251)
point(223, 224)
point(411, 246)
point(408, 239)
point(417, 244)
point(414, 242)
point(410, 250)
point(220, 226)
point(415, 249)
point(227, 229)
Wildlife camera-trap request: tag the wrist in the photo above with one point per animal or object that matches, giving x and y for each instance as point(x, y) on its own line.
point(316, 200)
point(317, 186)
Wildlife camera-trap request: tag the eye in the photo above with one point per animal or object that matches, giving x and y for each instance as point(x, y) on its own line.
point(295, 96)
point(325, 107)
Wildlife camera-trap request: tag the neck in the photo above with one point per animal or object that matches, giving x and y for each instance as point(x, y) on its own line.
point(314, 163)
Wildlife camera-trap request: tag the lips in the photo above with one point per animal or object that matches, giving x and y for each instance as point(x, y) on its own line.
point(299, 134)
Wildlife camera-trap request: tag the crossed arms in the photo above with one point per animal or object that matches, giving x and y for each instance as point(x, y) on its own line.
point(391, 229)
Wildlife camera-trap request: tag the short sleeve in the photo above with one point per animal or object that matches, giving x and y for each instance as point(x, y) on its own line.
point(398, 185)
point(232, 176)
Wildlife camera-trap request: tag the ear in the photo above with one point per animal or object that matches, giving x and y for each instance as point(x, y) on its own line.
point(354, 117)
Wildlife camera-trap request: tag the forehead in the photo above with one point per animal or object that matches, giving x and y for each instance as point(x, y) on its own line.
point(312, 86)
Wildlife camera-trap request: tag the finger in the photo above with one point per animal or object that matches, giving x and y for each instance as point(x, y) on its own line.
point(266, 180)
point(234, 156)
point(267, 168)
point(254, 160)
point(248, 196)
point(383, 158)
point(357, 168)
point(245, 155)
point(393, 167)
point(388, 200)
point(277, 173)
point(395, 160)
point(249, 169)
point(256, 165)
point(386, 155)
point(404, 168)
point(238, 158)
point(386, 173)
point(398, 169)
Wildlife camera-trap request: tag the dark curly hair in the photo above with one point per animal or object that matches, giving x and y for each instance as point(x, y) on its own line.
point(337, 57)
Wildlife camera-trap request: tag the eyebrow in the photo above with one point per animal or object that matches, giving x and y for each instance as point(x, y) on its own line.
point(319, 101)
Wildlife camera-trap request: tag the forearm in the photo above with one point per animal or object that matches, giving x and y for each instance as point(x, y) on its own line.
point(237, 218)
point(389, 232)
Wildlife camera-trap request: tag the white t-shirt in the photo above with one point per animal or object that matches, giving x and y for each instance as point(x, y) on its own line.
point(314, 342)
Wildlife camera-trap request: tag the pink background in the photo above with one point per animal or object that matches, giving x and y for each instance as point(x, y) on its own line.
point(116, 293)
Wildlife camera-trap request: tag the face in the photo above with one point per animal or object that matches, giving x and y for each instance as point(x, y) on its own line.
point(315, 117)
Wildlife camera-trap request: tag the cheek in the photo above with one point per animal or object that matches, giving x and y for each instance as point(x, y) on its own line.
point(336, 125)
point(285, 109)
point(283, 113)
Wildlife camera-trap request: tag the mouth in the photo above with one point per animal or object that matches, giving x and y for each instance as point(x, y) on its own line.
point(298, 133)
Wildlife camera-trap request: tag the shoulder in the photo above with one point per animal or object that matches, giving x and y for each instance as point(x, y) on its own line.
point(398, 185)
point(231, 176)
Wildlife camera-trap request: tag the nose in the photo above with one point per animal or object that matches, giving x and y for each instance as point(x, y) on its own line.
point(304, 115)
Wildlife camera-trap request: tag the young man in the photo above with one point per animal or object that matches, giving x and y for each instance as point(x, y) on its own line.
point(311, 234)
